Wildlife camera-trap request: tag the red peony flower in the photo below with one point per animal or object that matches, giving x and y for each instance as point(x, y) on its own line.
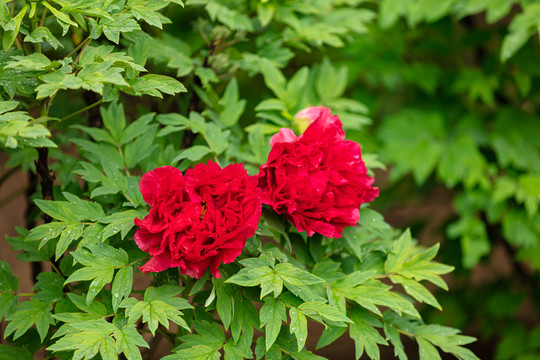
point(199, 220)
point(318, 179)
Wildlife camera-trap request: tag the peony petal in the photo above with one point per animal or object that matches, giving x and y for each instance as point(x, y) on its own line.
point(325, 127)
point(157, 263)
point(312, 113)
point(159, 183)
point(283, 136)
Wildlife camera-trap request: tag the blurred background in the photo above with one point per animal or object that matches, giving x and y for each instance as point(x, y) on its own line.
point(452, 95)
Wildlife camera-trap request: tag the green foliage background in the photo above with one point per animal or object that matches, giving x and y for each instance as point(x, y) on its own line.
point(445, 92)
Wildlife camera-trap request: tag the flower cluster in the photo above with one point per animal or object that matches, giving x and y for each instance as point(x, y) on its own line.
point(201, 220)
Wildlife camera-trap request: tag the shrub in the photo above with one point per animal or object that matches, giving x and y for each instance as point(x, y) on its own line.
point(96, 94)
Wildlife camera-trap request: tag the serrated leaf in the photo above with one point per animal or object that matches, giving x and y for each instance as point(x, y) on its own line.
point(416, 290)
point(159, 306)
point(8, 281)
point(70, 233)
point(154, 85)
point(400, 251)
point(40, 34)
point(127, 340)
point(318, 310)
point(120, 222)
point(296, 276)
point(27, 314)
point(49, 287)
point(365, 337)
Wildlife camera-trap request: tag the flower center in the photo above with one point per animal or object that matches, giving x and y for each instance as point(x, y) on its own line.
point(204, 209)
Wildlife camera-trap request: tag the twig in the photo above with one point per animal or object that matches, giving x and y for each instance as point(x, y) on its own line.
point(82, 110)
point(46, 176)
point(81, 44)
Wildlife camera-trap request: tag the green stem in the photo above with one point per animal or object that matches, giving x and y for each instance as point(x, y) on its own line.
point(34, 27)
point(82, 110)
point(78, 47)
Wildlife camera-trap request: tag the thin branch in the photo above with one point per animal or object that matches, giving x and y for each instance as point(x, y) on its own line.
point(78, 47)
point(82, 110)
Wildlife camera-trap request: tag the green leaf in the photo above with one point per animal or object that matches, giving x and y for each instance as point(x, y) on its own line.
point(150, 17)
point(232, 106)
point(521, 29)
point(8, 281)
point(298, 327)
point(331, 82)
point(16, 81)
point(59, 15)
point(400, 252)
point(49, 287)
point(416, 290)
point(193, 153)
point(306, 355)
point(6, 106)
point(224, 301)
point(272, 315)
point(98, 267)
point(113, 26)
point(121, 286)
point(197, 352)
point(216, 138)
point(119, 222)
point(46, 232)
point(11, 28)
point(87, 338)
point(245, 319)
point(136, 128)
point(35, 61)
point(114, 120)
point(153, 85)
point(71, 232)
point(393, 336)
point(14, 353)
point(296, 276)
point(265, 13)
point(365, 337)
point(159, 306)
point(27, 314)
point(127, 340)
point(318, 310)
point(427, 351)
point(240, 350)
point(90, 210)
point(8, 302)
point(273, 78)
point(231, 18)
point(329, 335)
